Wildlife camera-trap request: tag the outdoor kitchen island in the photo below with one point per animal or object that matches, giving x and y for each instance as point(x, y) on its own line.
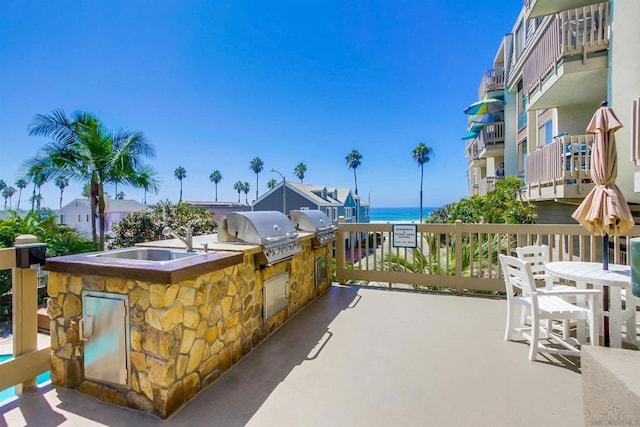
point(180, 330)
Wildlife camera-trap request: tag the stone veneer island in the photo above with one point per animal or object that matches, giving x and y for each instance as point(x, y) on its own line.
point(184, 332)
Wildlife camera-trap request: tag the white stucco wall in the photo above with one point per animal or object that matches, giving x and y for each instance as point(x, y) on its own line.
point(625, 85)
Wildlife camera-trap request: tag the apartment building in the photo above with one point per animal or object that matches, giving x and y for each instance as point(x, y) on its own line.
point(560, 61)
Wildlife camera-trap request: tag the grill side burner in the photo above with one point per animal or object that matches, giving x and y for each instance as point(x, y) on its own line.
point(314, 221)
point(270, 229)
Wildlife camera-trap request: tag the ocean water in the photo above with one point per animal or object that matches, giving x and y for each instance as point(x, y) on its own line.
point(407, 215)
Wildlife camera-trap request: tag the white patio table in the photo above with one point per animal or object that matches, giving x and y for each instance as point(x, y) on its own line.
point(617, 277)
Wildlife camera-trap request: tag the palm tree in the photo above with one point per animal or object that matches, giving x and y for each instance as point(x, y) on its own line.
point(422, 154)
point(82, 149)
point(300, 170)
point(37, 176)
point(256, 166)
point(354, 159)
point(238, 186)
point(21, 184)
point(216, 177)
point(271, 183)
point(245, 189)
point(120, 195)
point(62, 183)
point(148, 181)
point(3, 185)
point(180, 173)
point(7, 193)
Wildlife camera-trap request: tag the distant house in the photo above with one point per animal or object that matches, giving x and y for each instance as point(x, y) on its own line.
point(220, 208)
point(335, 202)
point(77, 214)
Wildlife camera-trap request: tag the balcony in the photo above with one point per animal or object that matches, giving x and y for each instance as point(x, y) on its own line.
point(491, 140)
point(493, 80)
point(567, 62)
point(487, 184)
point(560, 169)
point(537, 8)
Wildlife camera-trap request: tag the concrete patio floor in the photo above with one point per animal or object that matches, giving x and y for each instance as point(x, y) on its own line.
point(361, 357)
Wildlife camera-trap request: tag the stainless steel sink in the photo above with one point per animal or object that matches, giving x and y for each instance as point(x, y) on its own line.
point(146, 254)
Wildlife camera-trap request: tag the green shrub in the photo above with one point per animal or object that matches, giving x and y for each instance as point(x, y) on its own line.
point(147, 225)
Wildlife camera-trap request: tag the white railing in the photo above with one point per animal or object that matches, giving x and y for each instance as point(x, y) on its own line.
point(572, 32)
point(566, 161)
point(491, 137)
point(460, 257)
point(493, 79)
point(487, 184)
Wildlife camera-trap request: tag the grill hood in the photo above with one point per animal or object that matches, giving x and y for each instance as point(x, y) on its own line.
point(270, 229)
point(314, 221)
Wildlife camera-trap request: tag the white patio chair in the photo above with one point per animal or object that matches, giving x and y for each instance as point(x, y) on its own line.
point(543, 304)
point(538, 256)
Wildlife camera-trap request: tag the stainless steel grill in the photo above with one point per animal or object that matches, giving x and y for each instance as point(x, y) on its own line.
point(270, 229)
point(314, 221)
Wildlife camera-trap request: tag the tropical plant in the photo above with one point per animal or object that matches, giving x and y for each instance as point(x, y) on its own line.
point(422, 154)
point(502, 205)
point(82, 149)
point(256, 165)
point(120, 195)
point(245, 189)
point(271, 183)
point(147, 225)
point(216, 177)
point(238, 186)
point(7, 193)
point(37, 176)
point(61, 182)
point(148, 181)
point(180, 173)
point(3, 185)
point(300, 170)
point(354, 160)
point(21, 184)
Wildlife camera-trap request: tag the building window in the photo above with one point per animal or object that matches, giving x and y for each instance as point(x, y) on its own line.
point(87, 218)
point(61, 219)
point(545, 133)
point(79, 218)
point(347, 213)
point(335, 214)
point(522, 156)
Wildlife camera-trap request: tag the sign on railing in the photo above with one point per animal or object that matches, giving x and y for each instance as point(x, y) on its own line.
point(404, 235)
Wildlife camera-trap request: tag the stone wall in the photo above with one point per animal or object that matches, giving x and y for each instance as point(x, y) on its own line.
point(183, 336)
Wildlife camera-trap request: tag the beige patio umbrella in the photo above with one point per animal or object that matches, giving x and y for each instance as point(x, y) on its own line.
point(604, 212)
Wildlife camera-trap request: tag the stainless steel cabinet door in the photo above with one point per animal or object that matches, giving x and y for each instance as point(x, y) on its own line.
point(105, 336)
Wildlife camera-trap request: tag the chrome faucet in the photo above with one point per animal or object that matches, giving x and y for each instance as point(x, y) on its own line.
point(187, 239)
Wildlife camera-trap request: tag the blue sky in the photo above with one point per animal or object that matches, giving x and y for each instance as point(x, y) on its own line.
point(214, 84)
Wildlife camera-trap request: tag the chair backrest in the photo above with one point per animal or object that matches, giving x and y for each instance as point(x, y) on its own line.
point(537, 256)
point(517, 274)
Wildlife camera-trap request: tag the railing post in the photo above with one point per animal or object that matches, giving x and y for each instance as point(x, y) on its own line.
point(340, 252)
point(25, 311)
point(458, 236)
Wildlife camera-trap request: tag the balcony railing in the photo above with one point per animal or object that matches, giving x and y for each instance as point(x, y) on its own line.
point(461, 257)
point(491, 137)
point(493, 79)
point(569, 33)
point(564, 162)
point(487, 184)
